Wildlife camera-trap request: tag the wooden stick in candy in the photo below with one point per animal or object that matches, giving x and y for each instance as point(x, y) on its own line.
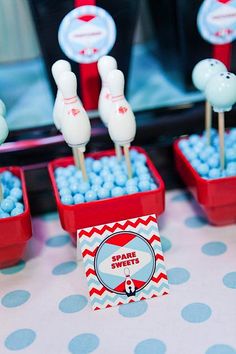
point(221, 93)
point(202, 72)
point(3, 135)
point(58, 68)
point(121, 125)
point(75, 124)
point(105, 65)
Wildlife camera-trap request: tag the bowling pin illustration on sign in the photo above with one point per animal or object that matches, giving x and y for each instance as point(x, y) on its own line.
point(105, 65)
point(3, 135)
point(121, 125)
point(58, 68)
point(129, 284)
point(202, 72)
point(221, 93)
point(75, 124)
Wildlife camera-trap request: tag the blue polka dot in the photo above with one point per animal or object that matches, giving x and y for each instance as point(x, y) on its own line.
point(221, 349)
point(214, 248)
point(84, 343)
point(196, 312)
point(73, 303)
point(178, 276)
point(133, 309)
point(20, 339)
point(15, 269)
point(182, 197)
point(58, 241)
point(50, 216)
point(195, 222)
point(64, 268)
point(15, 298)
point(150, 346)
point(230, 280)
point(165, 243)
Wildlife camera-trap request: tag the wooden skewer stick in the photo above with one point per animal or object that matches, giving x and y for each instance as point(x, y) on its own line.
point(127, 159)
point(82, 165)
point(76, 157)
point(118, 152)
point(208, 121)
point(221, 127)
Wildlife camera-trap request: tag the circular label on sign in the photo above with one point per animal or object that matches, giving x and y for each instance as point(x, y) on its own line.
point(217, 21)
point(87, 33)
point(125, 263)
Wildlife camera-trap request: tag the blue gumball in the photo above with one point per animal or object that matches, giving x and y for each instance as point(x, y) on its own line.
point(214, 173)
point(64, 191)
point(131, 189)
point(75, 188)
point(97, 166)
point(120, 180)
point(16, 211)
point(103, 193)
point(78, 198)
point(90, 196)
point(144, 186)
point(67, 199)
point(221, 91)
point(7, 205)
point(16, 193)
point(204, 70)
point(108, 185)
point(84, 187)
point(117, 192)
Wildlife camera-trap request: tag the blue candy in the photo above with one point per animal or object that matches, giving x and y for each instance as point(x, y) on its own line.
point(7, 205)
point(97, 180)
point(67, 199)
point(117, 192)
point(75, 187)
point(144, 186)
point(131, 189)
point(120, 180)
point(78, 198)
point(16, 192)
point(97, 166)
point(84, 187)
point(16, 211)
point(64, 191)
point(103, 193)
point(214, 173)
point(108, 185)
point(90, 196)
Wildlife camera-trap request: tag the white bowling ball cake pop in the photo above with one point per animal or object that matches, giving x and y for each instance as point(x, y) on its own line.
point(58, 68)
point(202, 72)
point(75, 124)
point(122, 124)
point(221, 93)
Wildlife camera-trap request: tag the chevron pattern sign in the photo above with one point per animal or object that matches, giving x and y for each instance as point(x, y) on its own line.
point(123, 261)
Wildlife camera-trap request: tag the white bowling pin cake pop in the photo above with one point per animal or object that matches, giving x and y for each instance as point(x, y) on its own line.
point(75, 124)
point(129, 284)
point(105, 65)
point(58, 68)
point(4, 131)
point(202, 72)
point(221, 93)
point(122, 124)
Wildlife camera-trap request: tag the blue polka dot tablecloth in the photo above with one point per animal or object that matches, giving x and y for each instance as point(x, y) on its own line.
point(44, 306)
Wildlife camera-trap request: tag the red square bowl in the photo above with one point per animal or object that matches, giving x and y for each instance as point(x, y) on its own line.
point(88, 214)
point(217, 197)
point(15, 231)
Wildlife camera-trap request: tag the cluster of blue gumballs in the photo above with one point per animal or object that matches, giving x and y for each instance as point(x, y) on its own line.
point(107, 177)
point(206, 159)
point(11, 204)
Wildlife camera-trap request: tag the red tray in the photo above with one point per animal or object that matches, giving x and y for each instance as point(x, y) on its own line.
point(217, 197)
point(15, 231)
point(74, 217)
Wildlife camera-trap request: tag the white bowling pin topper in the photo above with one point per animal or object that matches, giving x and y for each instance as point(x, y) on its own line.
point(121, 125)
point(58, 68)
point(105, 65)
point(75, 124)
point(129, 284)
